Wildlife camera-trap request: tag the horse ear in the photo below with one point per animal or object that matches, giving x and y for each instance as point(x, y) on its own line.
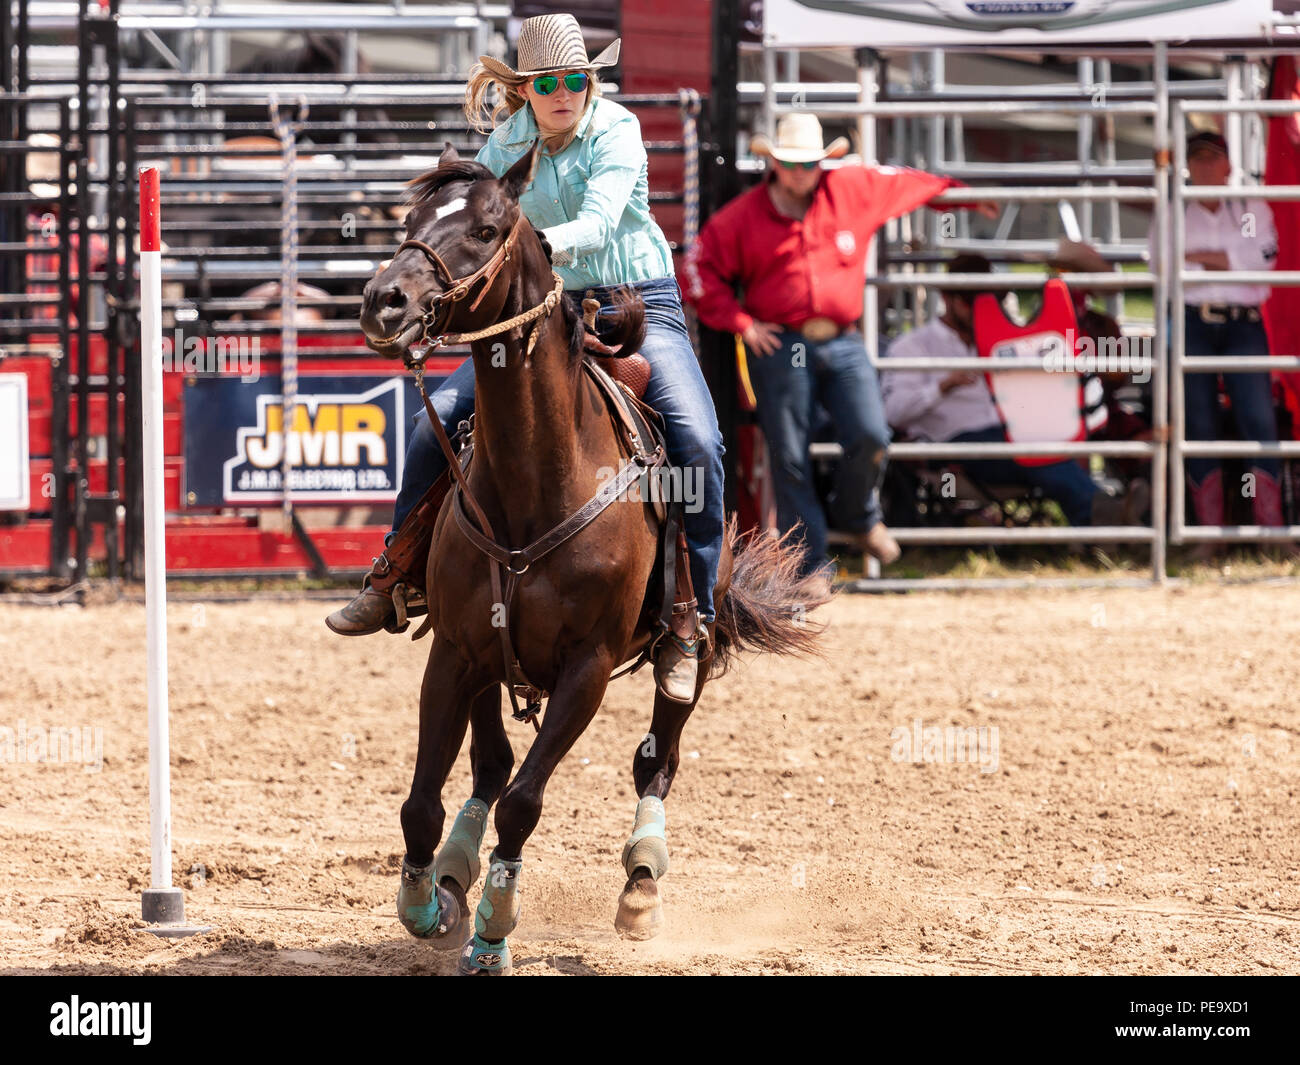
point(520, 176)
point(449, 155)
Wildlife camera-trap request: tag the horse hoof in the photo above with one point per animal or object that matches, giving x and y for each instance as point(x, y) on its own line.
point(640, 913)
point(481, 958)
point(454, 925)
point(428, 910)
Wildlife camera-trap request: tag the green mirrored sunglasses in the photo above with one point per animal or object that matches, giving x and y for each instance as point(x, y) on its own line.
point(545, 84)
point(812, 164)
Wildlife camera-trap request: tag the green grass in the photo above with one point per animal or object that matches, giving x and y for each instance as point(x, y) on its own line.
point(1136, 304)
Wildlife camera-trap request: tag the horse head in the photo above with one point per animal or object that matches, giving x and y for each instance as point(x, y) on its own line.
point(461, 230)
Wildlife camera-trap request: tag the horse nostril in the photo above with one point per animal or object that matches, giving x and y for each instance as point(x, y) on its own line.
point(394, 299)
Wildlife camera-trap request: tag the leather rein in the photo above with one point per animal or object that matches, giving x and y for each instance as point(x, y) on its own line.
point(515, 563)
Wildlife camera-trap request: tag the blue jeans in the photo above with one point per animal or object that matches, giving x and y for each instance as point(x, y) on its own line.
point(1251, 393)
point(676, 390)
point(1066, 482)
point(788, 384)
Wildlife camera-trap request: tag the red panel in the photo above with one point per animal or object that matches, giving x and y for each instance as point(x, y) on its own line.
point(98, 476)
point(191, 548)
point(39, 432)
point(691, 16)
point(666, 45)
point(25, 547)
point(37, 370)
point(670, 217)
point(668, 173)
point(98, 353)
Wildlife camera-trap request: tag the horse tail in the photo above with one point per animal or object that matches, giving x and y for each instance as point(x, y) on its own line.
point(625, 327)
point(767, 603)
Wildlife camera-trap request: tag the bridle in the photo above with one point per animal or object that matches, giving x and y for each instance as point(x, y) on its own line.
point(443, 305)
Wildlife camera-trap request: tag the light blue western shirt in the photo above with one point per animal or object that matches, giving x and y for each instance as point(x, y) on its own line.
point(592, 201)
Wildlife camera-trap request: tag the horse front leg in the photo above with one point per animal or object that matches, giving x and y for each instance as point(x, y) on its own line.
point(645, 854)
point(425, 909)
point(569, 711)
point(457, 867)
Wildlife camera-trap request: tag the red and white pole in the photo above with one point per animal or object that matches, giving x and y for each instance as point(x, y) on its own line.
point(162, 905)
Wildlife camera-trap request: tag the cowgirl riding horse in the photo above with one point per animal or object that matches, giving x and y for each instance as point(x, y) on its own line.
point(590, 200)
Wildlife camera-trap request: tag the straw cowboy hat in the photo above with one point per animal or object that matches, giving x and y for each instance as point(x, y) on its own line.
point(799, 140)
point(548, 43)
point(1076, 257)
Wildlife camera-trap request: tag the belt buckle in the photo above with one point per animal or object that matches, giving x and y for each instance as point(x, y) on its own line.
point(1210, 316)
point(819, 329)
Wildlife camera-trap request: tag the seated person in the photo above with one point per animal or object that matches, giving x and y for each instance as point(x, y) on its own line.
point(1127, 395)
point(955, 406)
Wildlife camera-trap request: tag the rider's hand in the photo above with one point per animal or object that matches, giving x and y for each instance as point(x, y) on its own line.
point(762, 338)
point(956, 379)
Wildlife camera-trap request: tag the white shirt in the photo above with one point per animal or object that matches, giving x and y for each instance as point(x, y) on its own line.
point(913, 402)
point(1241, 228)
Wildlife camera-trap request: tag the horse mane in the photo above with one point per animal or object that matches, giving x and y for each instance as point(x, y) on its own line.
point(425, 186)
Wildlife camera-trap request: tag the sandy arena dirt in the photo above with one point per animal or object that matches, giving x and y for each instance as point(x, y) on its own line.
point(1142, 817)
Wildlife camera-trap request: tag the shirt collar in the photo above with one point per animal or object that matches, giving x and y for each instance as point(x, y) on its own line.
point(520, 129)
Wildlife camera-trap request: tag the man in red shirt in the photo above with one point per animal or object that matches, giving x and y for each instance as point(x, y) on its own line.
point(797, 244)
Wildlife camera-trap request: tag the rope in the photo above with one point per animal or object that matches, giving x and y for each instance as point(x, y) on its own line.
point(690, 106)
point(689, 101)
point(288, 132)
point(541, 310)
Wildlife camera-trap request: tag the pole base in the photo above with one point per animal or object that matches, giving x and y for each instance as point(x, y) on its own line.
point(164, 909)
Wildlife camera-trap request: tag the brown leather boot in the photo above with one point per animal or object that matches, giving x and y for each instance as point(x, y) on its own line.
point(393, 591)
point(879, 542)
point(677, 658)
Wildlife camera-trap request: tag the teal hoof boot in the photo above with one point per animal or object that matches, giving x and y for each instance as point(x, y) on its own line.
point(481, 958)
point(428, 910)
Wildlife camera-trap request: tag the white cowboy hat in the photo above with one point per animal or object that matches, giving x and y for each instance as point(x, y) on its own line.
point(548, 43)
point(799, 140)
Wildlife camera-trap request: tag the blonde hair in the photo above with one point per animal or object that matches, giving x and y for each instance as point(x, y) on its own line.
point(509, 99)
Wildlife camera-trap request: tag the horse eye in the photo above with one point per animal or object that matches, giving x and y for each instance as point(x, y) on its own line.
point(486, 233)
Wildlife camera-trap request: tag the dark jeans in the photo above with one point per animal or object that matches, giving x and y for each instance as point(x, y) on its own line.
point(787, 385)
point(1251, 393)
point(1066, 482)
point(676, 390)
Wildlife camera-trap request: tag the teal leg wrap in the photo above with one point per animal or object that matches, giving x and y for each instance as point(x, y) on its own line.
point(646, 847)
point(498, 909)
point(488, 959)
point(417, 901)
point(458, 857)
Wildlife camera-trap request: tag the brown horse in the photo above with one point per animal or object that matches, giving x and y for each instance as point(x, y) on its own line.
point(542, 436)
